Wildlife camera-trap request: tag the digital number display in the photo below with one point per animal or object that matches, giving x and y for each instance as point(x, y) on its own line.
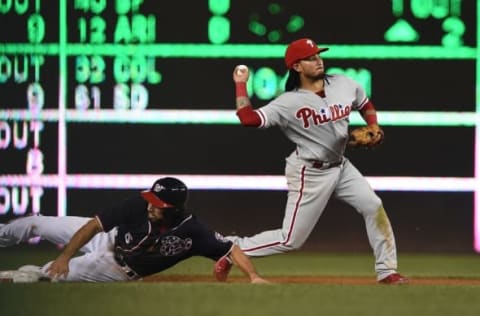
point(86, 78)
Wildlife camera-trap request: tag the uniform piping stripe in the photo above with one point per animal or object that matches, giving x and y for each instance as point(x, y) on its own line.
point(290, 230)
point(99, 222)
point(263, 246)
point(141, 241)
point(302, 185)
point(263, 119)
point(362, 104)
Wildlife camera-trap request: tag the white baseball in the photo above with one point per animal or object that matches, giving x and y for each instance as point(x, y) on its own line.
point(241, 68)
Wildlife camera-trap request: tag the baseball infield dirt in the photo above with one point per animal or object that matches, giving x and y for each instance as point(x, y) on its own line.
point(314, 280)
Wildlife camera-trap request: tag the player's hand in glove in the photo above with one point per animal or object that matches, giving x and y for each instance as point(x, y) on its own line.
point(367, 136)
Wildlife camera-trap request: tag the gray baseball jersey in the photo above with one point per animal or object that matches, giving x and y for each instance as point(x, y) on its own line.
point(317, 125)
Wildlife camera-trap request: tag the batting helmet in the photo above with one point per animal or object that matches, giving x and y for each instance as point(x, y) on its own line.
point(167, 193)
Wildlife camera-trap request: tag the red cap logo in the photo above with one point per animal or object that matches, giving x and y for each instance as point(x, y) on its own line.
point(301, 49)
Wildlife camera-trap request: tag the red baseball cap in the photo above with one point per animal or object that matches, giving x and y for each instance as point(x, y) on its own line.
point(152, 198)
point(301, 49)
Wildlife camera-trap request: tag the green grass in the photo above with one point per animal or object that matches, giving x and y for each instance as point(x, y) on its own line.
point(211, 298)
point(235, 299)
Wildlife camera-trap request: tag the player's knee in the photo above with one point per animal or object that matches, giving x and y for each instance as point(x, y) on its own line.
point(376, 205)
point(294, 244)
point(371, 206)
point(27, 224)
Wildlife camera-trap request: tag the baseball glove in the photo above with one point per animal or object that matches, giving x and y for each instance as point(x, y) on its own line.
point(367, 136)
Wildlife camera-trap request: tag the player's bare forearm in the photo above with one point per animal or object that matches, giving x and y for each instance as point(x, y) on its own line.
point(59, 267)
point(242, 102)
point(245, 264)
point(81, 237)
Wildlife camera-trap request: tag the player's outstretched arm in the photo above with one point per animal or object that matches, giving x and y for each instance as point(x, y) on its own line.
point(240, 77)
point(245, 112)
point(59, 267)
point(245, 264)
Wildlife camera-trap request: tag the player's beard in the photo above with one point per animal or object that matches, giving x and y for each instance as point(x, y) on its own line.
point(154, 220)
point(319, 76)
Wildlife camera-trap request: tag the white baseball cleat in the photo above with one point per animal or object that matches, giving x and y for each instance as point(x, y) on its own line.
point(24, 274)
point(16, 276)
point(35, 269)
point(31, 268)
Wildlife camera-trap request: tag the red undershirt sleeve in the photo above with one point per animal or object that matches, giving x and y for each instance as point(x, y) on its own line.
point(248, 117)
point(369, 113)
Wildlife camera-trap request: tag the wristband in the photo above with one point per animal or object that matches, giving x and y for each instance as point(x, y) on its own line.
point(241, 89)
point(369, 114)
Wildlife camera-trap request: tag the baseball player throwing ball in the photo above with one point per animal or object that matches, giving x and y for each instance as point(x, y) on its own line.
point(142, 235)
point(314, 114)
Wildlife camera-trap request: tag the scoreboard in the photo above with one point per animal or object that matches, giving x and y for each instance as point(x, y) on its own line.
point(108, 95)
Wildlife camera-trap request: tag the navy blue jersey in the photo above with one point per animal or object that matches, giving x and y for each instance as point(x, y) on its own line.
point(148, 248)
